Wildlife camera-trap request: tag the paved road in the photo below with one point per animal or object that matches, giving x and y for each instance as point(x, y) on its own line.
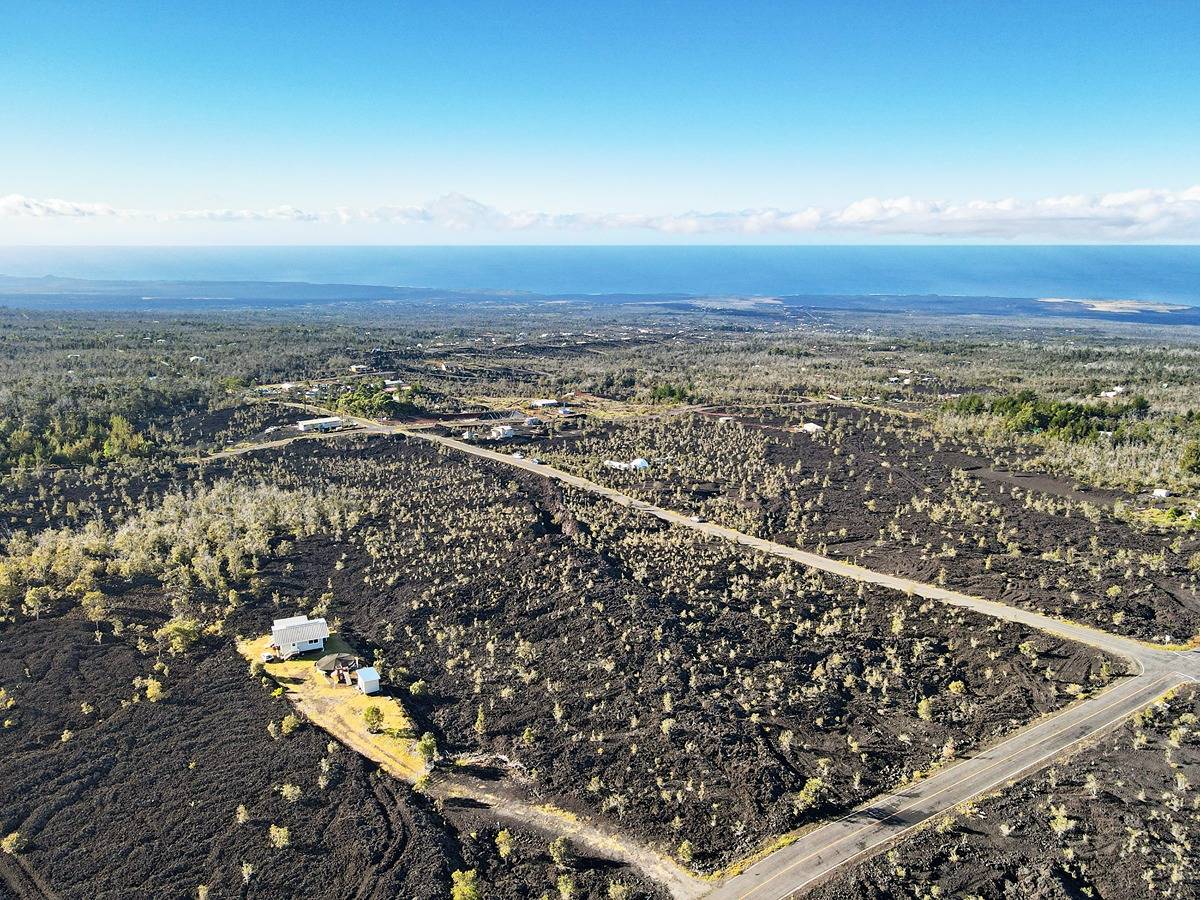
point(870, 828)
point(791, 869)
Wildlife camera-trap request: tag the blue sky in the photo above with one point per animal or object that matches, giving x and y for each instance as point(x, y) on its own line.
point(598, 122)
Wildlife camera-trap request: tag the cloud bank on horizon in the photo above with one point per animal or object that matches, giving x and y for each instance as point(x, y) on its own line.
point(1135, 215)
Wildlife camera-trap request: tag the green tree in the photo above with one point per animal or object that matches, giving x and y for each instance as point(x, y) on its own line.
point(122, 439)
point(373, 719)
point(465, 885)
point(561, 852)
point(36, 601)
point(427, 747)
point(179, 634)
point(1189, 460)
point(504, 843)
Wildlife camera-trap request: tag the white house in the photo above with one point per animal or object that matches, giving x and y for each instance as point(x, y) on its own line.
point(811, 428)
point(542, 404)
point(1162, 493)
point(325, 423)
point(501, 432)
point(368, 680)
point(622, 466)
point(298, 634)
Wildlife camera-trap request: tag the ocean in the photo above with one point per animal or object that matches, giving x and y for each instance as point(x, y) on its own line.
point(1164, 273)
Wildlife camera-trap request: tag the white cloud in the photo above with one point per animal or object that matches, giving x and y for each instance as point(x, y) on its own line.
point(1134, 215)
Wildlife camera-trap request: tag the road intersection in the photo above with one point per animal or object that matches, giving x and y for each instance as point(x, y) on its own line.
point(817, 853)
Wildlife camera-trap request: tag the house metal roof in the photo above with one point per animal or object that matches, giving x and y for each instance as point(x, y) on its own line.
point(298, 630)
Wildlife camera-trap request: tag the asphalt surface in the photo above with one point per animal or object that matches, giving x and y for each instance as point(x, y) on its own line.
point(790, 870)
point(813, 856)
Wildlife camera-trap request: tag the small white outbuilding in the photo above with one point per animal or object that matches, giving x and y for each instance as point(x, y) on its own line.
point(1162, 493)
point(325, 423)
point(298, 634)
point(368, 680)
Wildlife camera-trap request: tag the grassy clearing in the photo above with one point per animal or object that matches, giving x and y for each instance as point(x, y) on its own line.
point(338, 708)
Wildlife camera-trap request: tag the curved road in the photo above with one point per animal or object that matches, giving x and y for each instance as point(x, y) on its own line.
point(819, 852)
point(868, 829)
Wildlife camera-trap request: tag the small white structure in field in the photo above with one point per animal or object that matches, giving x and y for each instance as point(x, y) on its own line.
point(298, 634)
point(325, 423)
point(543, 404)
point(359, 367)
point(724, 420)
point(635, 465)
point(565, 411)
point(368, 680)
point(811, 428)
point(1162, 493)
point(501, 432)
point(532, 422)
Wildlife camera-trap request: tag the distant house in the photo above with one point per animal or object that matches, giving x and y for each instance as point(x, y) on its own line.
point(368, 680)
point(1162, 493)
point(501, 432)
point(631, 466)
point(532, 422)
point(565, 411)
point(298, 634)
point(724, 420)
point(543, 404)
point(811, 428)
point(325, 423)
point(359, 367)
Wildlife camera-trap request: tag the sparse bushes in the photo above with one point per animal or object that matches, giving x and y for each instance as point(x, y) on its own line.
point(280, 836)
point(155, 690)
point(465, 885)
point(373, 719)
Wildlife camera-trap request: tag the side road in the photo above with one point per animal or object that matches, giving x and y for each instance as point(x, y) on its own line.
point(872, 827)
point(789, 870)
point(813, 856)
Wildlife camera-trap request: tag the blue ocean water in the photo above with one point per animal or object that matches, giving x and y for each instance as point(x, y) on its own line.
point(1166, 273)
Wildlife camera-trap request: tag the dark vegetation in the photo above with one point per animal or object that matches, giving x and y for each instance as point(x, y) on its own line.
point(1025, 411)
